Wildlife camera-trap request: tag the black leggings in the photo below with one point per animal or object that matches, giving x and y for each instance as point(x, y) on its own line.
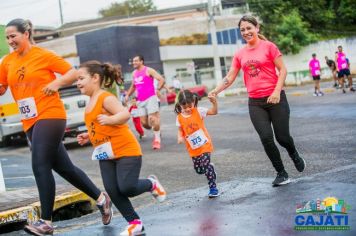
point(49, 153)
point(262, 114)
point(202, 165)
point(121, 181)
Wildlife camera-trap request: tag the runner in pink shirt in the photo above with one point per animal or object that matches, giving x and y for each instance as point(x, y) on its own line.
point(343, 68)
point(267, 101)
point(314, 68)
point(147, 101)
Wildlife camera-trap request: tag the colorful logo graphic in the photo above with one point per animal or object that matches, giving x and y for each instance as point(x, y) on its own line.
point(327, 214)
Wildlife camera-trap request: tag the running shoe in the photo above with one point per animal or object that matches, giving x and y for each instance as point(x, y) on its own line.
point(315, 94)
point(134, 228)
point(213, 192)
point(343, 91)
point(106, 210)
point(40, 227)
point(281, 179)
point(156, 144)
point(157, 191)
point(299, 162)
point(320, 94)
point(352, 89)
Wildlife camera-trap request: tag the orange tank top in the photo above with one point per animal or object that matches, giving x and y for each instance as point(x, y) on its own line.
point(196, 136)
point(123, 141)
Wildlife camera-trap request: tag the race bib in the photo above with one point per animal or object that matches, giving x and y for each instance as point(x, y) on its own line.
point(343, 65)
point(197, 139)
point(103, 152)
point(317, 72)
point(27, 107)
point(134, 113)
point(316, 64)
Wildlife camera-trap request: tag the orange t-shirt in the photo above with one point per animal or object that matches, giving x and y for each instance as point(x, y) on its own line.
point(123, 141)
point(196, 143)
point(26, 77)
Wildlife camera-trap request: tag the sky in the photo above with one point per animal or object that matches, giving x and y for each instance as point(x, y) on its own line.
point(46, 12)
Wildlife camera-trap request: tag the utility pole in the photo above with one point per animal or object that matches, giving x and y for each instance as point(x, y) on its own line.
point(60, 11)
point(214, 42)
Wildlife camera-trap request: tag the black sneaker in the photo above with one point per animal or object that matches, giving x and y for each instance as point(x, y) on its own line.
point(352, 89)
point(299, 162)
point(343, 91)
point(281, 179)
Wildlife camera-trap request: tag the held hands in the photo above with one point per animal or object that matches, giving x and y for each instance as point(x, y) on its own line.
point(274, 98)
point(212, 97)
point(51, 88)
point(212, 93)
point(83, 138)
point(104, 119)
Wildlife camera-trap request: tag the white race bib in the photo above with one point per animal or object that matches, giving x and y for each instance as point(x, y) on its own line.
point(27, 107)
point(134, 112)
point(103, 152)
point(317, 72)
point(197, 139)
point(343, 65)
point(316, 64)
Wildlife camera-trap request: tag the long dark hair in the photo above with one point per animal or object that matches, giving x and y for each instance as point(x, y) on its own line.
point(108, 73)
point(252, 20)
point(23, 26)
point(185, 97)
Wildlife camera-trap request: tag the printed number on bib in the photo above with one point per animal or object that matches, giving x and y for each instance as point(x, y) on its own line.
point(197, 139)
point(343, 65)
point(317, 72)
point(103, 152)
point(27, 107)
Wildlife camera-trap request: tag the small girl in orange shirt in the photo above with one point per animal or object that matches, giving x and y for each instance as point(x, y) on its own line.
point(192, 131)
point(115, 146)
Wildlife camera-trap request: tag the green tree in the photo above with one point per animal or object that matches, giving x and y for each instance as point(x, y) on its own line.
point(128, 7)
point(346, 12)
point(293, 34)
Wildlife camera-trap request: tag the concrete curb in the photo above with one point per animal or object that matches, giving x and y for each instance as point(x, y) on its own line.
point(31, 213)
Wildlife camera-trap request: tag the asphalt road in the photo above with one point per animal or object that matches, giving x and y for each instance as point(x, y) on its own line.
point(323, 129)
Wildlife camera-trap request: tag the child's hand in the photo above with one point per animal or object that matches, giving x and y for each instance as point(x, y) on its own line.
point(83, 138)
point(180, 140)
point(212, 97)
point(104, 119)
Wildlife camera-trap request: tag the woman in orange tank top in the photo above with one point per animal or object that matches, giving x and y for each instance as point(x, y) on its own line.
point(29, 72)
point(115, 146)
point(192, 131)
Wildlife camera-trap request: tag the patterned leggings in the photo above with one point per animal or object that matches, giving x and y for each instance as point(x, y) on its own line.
point(202, 165)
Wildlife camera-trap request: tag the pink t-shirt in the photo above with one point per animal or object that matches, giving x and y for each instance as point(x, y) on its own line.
point(341, 61)
point(314, 66)
point(144, 84)
point(260, 74)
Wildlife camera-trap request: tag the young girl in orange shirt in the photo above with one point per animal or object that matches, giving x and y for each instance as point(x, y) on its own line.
point(115, 146)
point(192, 131)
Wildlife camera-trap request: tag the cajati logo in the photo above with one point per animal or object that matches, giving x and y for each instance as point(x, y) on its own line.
point(327, 214)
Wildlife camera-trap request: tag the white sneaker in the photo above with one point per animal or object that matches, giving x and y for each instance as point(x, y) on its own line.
point(134, 228)
point(315, 94)
point(158, 191)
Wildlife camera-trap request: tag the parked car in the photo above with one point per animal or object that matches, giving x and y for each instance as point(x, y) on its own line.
point(200, 91)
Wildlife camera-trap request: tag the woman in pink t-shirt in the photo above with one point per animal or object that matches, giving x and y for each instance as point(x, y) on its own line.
point(267, 101)
point(314, 68)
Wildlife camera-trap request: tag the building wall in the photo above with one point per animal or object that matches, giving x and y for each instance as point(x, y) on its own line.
point(62, 46)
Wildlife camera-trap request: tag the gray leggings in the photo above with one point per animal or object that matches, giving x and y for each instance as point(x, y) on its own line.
point(49, 153)
point(121, 181)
